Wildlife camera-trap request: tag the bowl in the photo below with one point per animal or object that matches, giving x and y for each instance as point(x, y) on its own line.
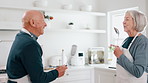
point(41, 3)
point(86, 8)
point(67, 6)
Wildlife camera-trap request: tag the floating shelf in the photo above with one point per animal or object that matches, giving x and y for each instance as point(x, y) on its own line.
point(10, 26)
point(53, 10)
point(6, 26)
point(79, 30)
point(9, 29)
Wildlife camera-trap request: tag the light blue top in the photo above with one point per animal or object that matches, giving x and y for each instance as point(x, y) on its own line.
point(139, 52)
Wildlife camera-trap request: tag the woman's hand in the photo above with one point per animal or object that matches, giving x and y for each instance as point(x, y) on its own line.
point(117, 51)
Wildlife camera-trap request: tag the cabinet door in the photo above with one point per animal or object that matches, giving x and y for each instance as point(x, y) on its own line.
point(76, 76)
point(104, 77)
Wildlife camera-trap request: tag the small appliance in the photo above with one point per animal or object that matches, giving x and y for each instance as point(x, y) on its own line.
point(78, 59)
point(57, 60)
point(96, 55)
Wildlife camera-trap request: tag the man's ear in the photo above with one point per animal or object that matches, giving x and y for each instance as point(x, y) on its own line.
point(32, 23)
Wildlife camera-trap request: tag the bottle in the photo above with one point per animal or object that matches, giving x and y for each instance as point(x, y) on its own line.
point(92, 58)
point(64, 58)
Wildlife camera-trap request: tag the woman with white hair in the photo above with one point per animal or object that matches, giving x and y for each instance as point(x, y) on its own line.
point(132, 57)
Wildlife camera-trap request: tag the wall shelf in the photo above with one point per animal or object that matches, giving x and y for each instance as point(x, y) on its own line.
point(53, 10)
point(10, 26)
point(9, 29)
point(79, 30)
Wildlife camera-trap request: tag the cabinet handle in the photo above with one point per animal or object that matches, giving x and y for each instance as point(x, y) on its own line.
point(115, 75)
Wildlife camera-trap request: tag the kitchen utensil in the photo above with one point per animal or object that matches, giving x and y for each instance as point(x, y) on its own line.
point(117, 32)
point(112, 67)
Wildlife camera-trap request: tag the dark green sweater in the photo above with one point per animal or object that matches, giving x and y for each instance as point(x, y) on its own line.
point(25, 59)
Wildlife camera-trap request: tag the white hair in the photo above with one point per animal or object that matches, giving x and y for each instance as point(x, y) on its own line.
point(139, 18)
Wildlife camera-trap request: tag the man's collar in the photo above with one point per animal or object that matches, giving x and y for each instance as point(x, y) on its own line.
point(31, 34)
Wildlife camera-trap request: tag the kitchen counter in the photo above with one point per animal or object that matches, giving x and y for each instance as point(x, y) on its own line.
point(100, 66)
point(105, 67)
point(3, 77)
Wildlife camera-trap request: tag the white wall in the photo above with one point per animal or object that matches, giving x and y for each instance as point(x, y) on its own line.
point(110, 5)
point(5, 46)
point(56, 41)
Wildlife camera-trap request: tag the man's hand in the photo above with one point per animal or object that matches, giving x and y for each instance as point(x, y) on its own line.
point(61, 70)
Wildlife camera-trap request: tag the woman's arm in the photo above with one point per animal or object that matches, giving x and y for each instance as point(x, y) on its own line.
point(139, 64)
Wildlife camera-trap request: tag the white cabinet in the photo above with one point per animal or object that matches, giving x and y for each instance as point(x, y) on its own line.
point(82, 75)
point(104, 75)
point(3, 78)
point(77, 76)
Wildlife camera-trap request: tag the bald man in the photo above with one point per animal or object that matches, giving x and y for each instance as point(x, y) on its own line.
point(24, 63)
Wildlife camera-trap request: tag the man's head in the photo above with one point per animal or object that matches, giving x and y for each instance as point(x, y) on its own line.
point(33, 21)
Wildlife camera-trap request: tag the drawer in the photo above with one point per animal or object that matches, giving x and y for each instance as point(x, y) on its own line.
point(76, 75)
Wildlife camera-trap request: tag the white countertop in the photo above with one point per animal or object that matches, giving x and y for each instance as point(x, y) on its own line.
point(101, 66)
point(3, 77)
point(104, 67)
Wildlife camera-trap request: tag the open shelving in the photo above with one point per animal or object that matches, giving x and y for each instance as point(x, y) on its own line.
point(5, 27)
point(79, 30)
point(53, 10)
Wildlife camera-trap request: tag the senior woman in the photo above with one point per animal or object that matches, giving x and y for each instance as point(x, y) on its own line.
point(132, 57)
